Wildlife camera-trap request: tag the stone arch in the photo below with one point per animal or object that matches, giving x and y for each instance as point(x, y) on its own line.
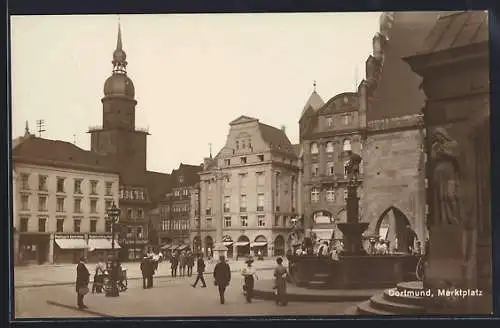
point(242, 246)
point(391, 225)
point(259, 245)
point(279, 245)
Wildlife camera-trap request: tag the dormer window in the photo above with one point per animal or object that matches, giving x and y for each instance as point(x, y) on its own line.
point(243, 160)
point(329, 122)
point(346, 119)
point(314, 148)
point(227, 162)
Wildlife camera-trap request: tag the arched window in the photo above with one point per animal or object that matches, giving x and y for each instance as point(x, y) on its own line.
point(314, 148)
point(329, 147)
point(346, 145)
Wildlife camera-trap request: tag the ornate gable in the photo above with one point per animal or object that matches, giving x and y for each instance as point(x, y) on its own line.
point(243, 119)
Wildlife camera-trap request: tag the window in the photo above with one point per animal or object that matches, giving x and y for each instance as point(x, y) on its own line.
point(346, 163)
point(314, 148)
point(107, 226)
point(208, 209)
point(329, 147)
point(177, 193)
point(243, 203)
point(108, 204)
point(227, 204)
point(346, 194)
point(237, 144)
point(24, 224)
point(330, 194)
point(77, 205)
point(227, 162)
point(249, 143)
point(329, 122)
point(42, 224)
point(261, 178)
point(129, 213)
point(93, 206)
point(25, 202)
point(285, 219)
point(330, 167)
point(261, 158)
point(243, 160)
point(346, 119)
point(42, 182)
point(276, 220)
point(227, 222)
point(77, 223)
point(315, 170)
point(140, 213)
point(109, 189)
point(139, 233)
point(93, 187)
point(244, 221)
point(243, 145)
point(93, 225)
point(294, 190)
point(346, 146)
point(261, 220)
point(78, 186)
point(260, 202)
point(42, 203)
point(315, 195)
point(209, 223)
point(25, 181)
point(227, 179)
point(60, 184)
point(164, 225)
point(60, 204)
point(60, 225)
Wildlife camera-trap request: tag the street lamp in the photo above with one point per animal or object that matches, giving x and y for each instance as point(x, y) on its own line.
point(114, 217)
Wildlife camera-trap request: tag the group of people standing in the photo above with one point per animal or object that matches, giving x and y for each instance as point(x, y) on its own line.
point(184, 261)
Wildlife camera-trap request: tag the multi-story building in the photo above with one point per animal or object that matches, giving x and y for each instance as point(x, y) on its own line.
point(248, 192)
point(327, 133)
point(175, 210)
point(60, 194)
point(126, 145)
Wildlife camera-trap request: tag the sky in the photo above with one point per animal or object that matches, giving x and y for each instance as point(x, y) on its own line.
point(193, 74)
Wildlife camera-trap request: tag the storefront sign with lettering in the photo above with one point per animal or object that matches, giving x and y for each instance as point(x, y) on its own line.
point(69, 237)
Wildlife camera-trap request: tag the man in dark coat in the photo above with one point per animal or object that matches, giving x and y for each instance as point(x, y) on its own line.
point(200, 268)
point(174, 263)
point(145, 268)
point(222, 276)
point(82, 282)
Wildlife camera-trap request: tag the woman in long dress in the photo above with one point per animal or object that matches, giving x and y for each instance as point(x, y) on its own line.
point(280, 274)
point(249, 275)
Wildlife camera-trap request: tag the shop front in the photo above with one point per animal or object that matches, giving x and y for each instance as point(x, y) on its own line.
point(228, 242)
point(259, 247)
point(242, 246)
point(69, 248)
point(135, 249)
point(101, 247)
point(34, 248)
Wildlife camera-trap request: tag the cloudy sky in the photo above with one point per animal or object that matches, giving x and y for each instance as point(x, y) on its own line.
point(193, 74)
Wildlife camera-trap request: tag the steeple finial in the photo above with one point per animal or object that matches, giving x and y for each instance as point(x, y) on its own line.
point(210, 145)
point(26, 130)
point(314, 85)
point(119, 55)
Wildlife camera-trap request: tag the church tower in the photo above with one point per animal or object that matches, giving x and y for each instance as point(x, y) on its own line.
point(118, 136)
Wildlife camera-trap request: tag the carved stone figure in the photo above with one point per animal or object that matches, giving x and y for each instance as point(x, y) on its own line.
point(445, 180)
point(352, 167)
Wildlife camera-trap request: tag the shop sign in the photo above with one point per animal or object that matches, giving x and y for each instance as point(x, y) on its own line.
point(69, 236)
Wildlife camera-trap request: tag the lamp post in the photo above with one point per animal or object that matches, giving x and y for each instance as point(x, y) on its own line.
point(220, 248)
point(114, 217)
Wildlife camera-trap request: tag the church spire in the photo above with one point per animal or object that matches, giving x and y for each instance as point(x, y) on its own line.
point(26, 130)
point(119, 55)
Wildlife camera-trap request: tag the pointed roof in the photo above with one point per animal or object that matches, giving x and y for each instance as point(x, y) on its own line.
point(243, 119)
point(276, 139)
point(315, 102)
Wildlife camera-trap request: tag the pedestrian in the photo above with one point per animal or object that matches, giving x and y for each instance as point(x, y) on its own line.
point(190, 264)
point(222, 277)
point(182, 264)
point(151, 271)
point(97, 286)
point(144, 270)
point(249, 275)
point(200, 268)
point(82, 282)
point(174, 264)
point(280, 274)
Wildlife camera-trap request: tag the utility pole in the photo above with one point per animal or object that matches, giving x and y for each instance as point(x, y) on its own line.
point(41, 127)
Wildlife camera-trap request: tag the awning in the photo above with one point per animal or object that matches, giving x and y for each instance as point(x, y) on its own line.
point(173, 247)
point(323, 234)
point(181, 247)
point(71, 243)
point(241, 243)
point(102, 243)
point(227, 243)
point(258, 244)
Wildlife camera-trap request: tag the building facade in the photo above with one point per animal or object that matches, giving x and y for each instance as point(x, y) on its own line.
point(327, 135)
point(248, 192)
point(176, 209)
point(60, 195)
point(123, 142)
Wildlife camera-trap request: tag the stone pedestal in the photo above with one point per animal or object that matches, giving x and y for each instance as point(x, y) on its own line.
point(352, 232)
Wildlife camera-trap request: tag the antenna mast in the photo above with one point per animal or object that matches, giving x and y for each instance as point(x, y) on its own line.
point(41, 127)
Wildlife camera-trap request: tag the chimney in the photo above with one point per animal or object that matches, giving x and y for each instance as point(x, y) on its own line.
point(283, 128)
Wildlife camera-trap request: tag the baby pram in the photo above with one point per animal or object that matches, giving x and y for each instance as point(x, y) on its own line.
point(122, 282)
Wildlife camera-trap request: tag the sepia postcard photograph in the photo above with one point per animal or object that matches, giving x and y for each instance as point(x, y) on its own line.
point(274, 164)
